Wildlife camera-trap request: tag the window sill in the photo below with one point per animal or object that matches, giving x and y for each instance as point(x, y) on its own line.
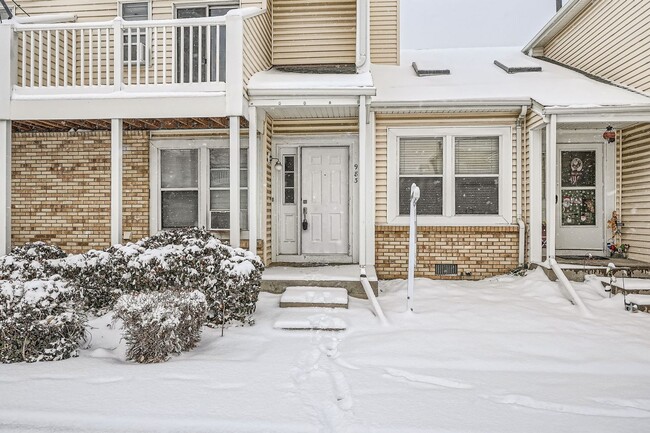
point(459, 220)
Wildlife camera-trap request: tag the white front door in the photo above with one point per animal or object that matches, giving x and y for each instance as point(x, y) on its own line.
point(324, 205)
point(580, 201)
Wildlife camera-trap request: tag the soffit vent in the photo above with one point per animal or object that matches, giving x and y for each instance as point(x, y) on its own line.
point(518, 67)
point(429, 72)
point(446, 269)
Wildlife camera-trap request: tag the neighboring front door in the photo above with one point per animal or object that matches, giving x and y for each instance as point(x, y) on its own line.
point(324, 208)
point(580, 216)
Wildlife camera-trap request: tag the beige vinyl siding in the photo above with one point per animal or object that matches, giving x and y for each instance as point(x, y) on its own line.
point(257, 45)
point(315, 126)
point(384, 32)
point(635, 190)
point(609, 39)
point(103, 10)
point(313, 32)
point(384, 122)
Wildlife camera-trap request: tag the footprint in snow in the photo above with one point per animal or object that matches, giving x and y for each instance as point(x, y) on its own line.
point(429, 380)
point(622, 411)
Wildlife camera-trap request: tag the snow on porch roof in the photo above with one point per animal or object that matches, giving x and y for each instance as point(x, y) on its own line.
point(476, 80)
point(274, 82)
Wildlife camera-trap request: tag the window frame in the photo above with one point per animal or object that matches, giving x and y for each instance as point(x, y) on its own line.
point(449, 217)
point(143, 36)
point(203, 146)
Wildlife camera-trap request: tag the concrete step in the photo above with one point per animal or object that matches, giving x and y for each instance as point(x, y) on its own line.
point(310, 319)
point(635, 287)
point(277, 277)
point(323, 297)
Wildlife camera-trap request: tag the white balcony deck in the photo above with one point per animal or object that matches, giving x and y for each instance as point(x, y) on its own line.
point(157, 68)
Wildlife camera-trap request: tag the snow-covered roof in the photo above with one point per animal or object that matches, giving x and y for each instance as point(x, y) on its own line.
point(475, 79)
point(274, 82)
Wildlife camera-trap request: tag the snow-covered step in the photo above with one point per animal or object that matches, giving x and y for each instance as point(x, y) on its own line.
point(311, 319)
point(324, 297)
point(637, 303)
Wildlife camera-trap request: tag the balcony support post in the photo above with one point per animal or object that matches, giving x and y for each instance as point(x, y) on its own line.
point(234, 64)
point(116, 181)
point(118, 56)
point(235, 187)
point(5, 187)
point(252, 179)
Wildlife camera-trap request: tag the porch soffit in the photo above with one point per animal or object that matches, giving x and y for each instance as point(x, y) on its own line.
point(22, 126)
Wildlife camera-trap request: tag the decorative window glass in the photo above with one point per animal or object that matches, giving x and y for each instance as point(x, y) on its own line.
point(421, 162)
point(289, 179)
point(220, 189)
point(135, 45)
point(578, 188)
point(477, 175)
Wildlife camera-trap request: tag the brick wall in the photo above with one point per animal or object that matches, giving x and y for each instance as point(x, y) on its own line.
point(479, 252)
point(61, 188)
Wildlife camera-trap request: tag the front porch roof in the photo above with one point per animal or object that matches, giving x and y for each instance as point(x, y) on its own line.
point(475, 80)
point(274, 83)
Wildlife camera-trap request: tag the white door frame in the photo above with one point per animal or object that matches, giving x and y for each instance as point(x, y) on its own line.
point(605, 182)
point(298, 142)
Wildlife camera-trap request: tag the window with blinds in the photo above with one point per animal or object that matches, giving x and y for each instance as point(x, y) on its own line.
point(220, 189)
point(421, 162)
point(476, 172)
point(179, 188)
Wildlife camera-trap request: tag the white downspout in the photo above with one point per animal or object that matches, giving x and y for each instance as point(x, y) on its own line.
point(520, 220)
point(373, 299)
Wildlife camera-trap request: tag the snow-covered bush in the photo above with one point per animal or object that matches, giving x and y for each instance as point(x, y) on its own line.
point(40, 320)
point(184, 259)
point(30, 261)
point(159, 324)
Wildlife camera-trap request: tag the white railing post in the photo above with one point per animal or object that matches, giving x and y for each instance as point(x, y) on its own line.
point(234, 64)
point(9, 70)
point(118, 47)
point(413, 233)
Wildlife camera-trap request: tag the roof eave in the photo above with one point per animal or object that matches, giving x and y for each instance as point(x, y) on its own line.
point(568, 12)
point(468, 105)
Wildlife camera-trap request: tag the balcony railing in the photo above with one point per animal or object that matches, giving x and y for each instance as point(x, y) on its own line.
point(163, 55)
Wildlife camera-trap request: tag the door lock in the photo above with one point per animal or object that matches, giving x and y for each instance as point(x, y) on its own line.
point(305, 224)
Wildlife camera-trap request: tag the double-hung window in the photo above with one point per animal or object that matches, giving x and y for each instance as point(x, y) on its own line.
point(192, 185)
point(135, 45)
point(464, 175)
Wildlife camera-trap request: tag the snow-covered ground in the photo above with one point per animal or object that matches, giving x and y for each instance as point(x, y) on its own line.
point(503, 355)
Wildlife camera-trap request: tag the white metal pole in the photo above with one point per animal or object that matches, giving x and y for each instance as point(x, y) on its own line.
point(5, 187)
point(415, 196)
point(116, 181)
point(252, 179)
point(235, 205)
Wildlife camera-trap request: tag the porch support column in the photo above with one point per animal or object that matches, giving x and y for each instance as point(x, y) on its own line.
point(536, 196)
point(116, 181)
point(363, 174)
point(235, 187)
point(5, 187)
point(551, 188)
point(252, 180)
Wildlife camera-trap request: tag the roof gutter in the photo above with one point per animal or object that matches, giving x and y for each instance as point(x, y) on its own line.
point(514, 104)
point(330, 91)
point(568, 12)
point(618, 109)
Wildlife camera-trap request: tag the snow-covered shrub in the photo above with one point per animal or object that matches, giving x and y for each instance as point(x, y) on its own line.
point(159, 324)
point(40, 320)
point(184, 259)
point(30, 261)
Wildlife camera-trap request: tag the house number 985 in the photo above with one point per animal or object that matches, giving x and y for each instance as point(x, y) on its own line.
point(356, 173)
